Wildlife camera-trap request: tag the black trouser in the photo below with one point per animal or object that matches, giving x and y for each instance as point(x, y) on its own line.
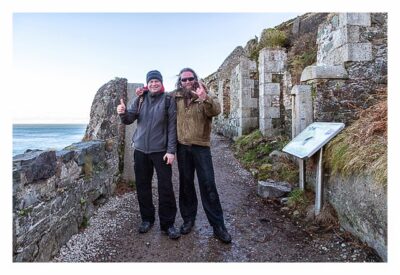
point(198, 158)
point(144, 166)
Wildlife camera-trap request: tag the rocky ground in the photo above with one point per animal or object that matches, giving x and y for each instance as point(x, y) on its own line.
point(261, 230)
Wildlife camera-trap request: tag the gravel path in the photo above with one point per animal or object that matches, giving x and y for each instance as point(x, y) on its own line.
point(261, 232)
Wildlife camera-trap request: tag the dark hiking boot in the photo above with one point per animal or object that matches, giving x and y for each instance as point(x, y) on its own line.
point(187, 227)
point(222, 234)
point(145, 227)
point(172, 232)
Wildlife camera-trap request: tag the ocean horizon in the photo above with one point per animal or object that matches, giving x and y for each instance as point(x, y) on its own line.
point(45, 136)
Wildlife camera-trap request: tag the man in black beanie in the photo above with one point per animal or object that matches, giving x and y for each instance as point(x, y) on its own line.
point(155, 147)
point(154, 75)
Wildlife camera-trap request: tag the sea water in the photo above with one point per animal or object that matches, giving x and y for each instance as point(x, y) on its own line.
point(45, 136)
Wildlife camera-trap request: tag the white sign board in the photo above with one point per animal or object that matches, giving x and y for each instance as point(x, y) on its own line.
point(311, 139)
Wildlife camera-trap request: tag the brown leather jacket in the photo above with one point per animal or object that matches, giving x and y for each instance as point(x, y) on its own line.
point(194, 122)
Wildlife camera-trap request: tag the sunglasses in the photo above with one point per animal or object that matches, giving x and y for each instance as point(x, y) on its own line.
point(187, 79)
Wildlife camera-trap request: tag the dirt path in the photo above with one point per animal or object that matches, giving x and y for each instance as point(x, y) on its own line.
point(260, 231)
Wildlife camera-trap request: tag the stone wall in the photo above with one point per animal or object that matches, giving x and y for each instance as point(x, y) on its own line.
point(351, 69)
point(56, 192)
point(361, 206)
point(351, 75)
point(238, 97)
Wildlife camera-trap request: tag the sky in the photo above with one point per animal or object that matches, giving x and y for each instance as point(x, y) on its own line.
point(54, 56)
point(69, 56)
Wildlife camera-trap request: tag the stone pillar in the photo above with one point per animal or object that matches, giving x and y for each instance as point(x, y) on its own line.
point(339, 40)
point(245, 99)
point(224, 97)
point(128, 173)
point(272, 66)
point(302, 111)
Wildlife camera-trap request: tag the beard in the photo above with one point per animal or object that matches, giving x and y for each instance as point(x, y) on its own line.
point(187, 93)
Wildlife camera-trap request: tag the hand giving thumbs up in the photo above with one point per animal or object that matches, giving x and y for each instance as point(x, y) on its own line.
point(121, 107)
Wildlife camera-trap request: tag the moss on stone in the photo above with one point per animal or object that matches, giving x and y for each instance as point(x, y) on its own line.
point(253, 152)
point(88, 167)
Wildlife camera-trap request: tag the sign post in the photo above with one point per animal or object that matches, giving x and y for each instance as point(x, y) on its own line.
point(306, 144)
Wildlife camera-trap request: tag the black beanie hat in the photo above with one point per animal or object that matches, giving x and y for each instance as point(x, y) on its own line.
point(153, 75)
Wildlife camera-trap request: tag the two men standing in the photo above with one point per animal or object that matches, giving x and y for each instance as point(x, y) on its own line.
point(193, 118)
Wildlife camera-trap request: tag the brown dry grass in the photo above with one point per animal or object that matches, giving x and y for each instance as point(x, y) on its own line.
point(362, 147)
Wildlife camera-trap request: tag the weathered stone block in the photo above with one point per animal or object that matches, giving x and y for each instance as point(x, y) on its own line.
point(272, 61)
point(266, 127)
point(357, 19)
point(270, 89)
point(323, 72)
point(347, 34)
point(273, 189)
point(68, 174)
point(275, 66)
point(247, 125)
point(357, 52)
point(265, 77)
point(299, 89)
point(65, 155)
point(93, 150)
point(270, 112)
point(34, 165)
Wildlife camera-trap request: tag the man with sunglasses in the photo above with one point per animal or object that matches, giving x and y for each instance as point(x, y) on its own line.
point(195, 110)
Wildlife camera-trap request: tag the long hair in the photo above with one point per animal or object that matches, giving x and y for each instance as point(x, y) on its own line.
point(178, 82)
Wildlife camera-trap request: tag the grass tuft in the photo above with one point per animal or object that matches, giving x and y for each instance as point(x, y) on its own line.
point(362, 147)
point(253, 152)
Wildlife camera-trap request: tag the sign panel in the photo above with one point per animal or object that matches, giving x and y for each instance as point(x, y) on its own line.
point(311, 139)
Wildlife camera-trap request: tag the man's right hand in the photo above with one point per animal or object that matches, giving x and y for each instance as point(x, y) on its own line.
point(121, 107)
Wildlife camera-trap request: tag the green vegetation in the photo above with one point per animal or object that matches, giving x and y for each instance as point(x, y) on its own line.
point(85, 223)
point(252, 46)
point(297, 198)
point(132, 184)
point(71, 147)
point(302, 53)
point(362, 147)
point(24, 212)
point(273, 38)
point(299, 62)
point(253, 152)
point(82, 201)
point(270, 38)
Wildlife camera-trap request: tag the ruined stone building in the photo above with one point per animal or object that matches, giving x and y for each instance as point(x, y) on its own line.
point(349, 74)
point(276, 94)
